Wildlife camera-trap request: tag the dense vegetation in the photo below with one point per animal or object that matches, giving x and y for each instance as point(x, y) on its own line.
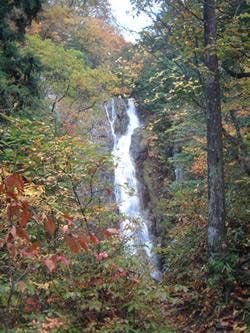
point(175, 86)
point(63, 265)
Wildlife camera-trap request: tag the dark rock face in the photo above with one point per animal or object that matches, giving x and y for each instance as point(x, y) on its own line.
point(139, 152)
point(139, 147)
point(101, 134)
point(154, 176)
point(122, 119)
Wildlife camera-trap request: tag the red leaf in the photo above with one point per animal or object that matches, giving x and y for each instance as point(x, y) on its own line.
point(111, 232)
point(63, 259)
point(73, 244)
point(14, 181)
point(1, 188)
point(94, 239)
point(51, 264)
point(13, 210)
point(119, 275)
point(23, 234)
point(114, 266)
point(12, 234)
point(26, 214)
point(83, 243)
point(12, 250)
point(34, 248)
point(100, 256)
point(50, 226)
point(11, 195)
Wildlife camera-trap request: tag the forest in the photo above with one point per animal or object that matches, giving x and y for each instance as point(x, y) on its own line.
point(124, 167)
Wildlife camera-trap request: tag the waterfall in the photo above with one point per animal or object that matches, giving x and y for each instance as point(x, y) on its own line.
point(134, 228)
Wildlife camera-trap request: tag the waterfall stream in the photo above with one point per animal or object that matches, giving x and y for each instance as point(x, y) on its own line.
point(134, 228)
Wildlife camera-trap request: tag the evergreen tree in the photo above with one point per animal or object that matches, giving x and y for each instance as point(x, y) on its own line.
point(17, 70)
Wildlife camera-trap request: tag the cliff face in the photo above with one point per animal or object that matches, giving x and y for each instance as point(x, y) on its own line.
point(96, 126)
point(155, 175)
point(121, 119)
point(139, 152)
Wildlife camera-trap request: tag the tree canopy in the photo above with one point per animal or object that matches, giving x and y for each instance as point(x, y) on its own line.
point(65, 266)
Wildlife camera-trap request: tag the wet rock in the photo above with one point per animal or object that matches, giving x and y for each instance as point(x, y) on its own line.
point(101, 134)
point(154, 176)
point(139, 152)
point(122, 119)
point(139, 146)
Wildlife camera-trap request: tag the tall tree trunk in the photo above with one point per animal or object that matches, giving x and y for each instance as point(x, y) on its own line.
point(216, 206)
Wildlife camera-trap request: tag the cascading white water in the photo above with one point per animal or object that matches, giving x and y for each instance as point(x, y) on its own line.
point(134, 228)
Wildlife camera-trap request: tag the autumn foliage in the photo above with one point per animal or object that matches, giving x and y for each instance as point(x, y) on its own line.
point(64, 266)
point(56, 270)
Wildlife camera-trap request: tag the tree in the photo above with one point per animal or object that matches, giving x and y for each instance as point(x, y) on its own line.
point(179, 79)
point(17, 70)
point(216, 204)
point(98, 40)
point(94, 8)
point(69, 77)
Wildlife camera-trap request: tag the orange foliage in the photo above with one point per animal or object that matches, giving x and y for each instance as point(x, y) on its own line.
point(35, 28)
point(100, 41)
point(199, 167)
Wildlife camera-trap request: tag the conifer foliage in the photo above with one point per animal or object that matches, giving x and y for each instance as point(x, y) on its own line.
point(17, 70)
